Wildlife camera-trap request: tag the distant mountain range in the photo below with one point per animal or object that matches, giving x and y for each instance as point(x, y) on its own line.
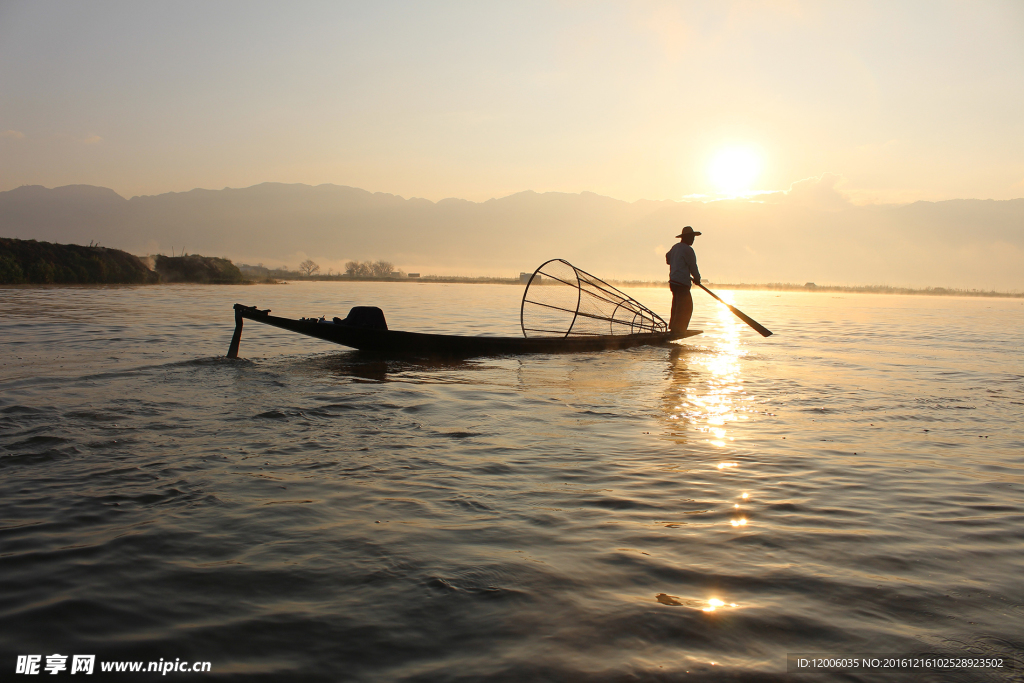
point(810, 235)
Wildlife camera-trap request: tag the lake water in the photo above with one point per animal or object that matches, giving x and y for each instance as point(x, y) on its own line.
point(852, 485)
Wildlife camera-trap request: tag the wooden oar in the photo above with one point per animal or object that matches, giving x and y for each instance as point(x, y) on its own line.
point(761, 329)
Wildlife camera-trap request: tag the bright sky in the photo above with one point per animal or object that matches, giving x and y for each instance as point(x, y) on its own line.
point(657, 100)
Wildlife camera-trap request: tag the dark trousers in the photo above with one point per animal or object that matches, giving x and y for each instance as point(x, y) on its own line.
point(682, 308)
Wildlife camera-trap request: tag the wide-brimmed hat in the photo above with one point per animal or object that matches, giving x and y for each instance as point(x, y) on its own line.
point(687, 231)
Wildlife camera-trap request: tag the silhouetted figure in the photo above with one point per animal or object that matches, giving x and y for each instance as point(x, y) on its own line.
point(682, 263)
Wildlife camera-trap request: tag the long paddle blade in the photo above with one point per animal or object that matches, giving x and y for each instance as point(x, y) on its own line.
point(758, 327)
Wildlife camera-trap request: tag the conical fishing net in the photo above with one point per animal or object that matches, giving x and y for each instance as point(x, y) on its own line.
point(563, 301)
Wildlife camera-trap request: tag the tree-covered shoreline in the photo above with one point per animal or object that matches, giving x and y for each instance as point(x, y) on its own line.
point(198, 269)
point(29, 262)
point(43, 263)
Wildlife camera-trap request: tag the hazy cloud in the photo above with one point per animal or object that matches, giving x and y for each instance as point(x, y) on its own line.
point(13, 134)
point(820, 192)
point(92, 140)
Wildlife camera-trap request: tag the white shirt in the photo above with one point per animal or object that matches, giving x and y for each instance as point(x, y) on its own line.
point(682, 263)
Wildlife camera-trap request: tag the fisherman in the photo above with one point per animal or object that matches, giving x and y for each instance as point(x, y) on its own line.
point(682, 263)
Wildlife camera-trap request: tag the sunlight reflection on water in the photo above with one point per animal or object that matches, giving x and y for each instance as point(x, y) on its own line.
point(713, 404)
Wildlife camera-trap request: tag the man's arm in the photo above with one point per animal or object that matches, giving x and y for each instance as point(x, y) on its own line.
point(694, 273)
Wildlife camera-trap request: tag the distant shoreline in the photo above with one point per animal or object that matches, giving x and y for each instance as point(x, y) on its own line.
point(32, 263)
point(853, 289)
point(719, 286)
point(770, 287)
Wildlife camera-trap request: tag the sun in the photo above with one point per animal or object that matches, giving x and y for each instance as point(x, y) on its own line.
point(734, 169)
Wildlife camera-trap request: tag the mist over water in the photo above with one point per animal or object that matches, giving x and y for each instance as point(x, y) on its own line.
point(852, 484)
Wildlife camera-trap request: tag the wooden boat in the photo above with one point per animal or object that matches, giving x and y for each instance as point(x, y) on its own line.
point(394, 342)
point(564, 310)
